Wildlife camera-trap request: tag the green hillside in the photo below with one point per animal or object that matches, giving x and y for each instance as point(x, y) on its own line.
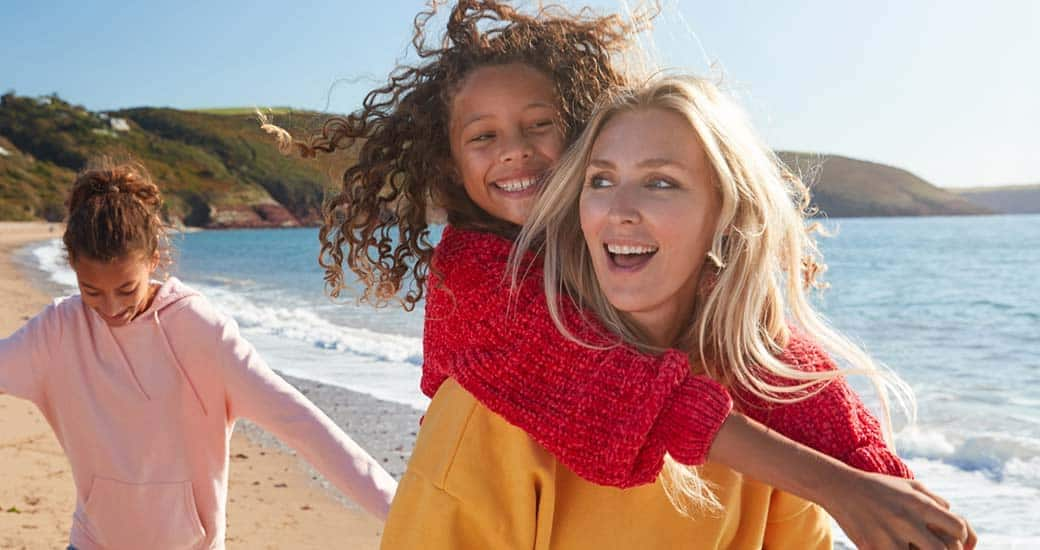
point(1006, 199)
point(844, 187)
point(219, 169)
point(30, 189)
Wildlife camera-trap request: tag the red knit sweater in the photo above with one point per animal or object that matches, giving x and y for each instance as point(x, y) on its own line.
point(609, 414)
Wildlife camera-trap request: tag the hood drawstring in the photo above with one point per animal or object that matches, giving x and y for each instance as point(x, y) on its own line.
point(176, 361)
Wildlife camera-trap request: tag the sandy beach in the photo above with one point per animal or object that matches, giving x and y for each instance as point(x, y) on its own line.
point(276, 500)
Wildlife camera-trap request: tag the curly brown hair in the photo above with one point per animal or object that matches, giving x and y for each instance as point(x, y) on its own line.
point(114, 210)
point(404, 166)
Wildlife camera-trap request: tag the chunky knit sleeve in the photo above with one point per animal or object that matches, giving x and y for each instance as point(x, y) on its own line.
point(609, 413)
point(833, 421)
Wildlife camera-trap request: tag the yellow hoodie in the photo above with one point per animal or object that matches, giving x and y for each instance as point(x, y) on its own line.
point(476, 481)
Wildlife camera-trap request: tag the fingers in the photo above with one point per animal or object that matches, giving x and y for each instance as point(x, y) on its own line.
point(949, 542)
point(940, 520)
point(973, 539)
point(940, 500)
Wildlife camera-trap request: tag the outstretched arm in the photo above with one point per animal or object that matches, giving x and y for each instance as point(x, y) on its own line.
point(24, 355)
point(254, 391)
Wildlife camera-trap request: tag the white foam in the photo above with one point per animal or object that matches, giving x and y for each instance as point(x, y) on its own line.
point(304, 325)
point(998, 456)
point(50, 258)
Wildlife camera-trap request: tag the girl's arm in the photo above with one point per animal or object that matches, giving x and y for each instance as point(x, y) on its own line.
point(24, 354)
point(874, 510)
point(833, 420)
point(871, 508)
point(254, 391)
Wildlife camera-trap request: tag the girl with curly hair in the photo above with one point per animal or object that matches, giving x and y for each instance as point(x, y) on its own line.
point(474, 129)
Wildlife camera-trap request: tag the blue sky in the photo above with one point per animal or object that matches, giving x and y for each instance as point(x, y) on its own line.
point(946, 90)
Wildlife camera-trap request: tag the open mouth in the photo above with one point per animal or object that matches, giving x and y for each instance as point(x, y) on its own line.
point(629, 257)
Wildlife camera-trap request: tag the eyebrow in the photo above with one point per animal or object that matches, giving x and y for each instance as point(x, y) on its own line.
point(120, 287)
point(655, 162)
point(481, 116)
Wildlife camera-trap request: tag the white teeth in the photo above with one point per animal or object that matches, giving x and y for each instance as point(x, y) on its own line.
point(629, 249)
point(513, 186)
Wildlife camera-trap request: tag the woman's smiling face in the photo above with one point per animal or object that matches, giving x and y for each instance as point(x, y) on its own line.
point(648, 212)
point(505, 137)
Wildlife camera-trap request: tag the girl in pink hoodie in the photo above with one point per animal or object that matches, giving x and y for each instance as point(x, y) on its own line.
point(142, 383)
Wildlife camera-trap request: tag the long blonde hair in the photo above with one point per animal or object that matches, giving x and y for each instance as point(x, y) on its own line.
point(763, 248)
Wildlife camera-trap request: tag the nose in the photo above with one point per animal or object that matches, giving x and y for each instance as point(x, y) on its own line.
point(516, 147)
point(111, 307)
point(624, 205)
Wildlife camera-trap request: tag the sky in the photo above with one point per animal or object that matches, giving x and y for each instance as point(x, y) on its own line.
point(947, 90)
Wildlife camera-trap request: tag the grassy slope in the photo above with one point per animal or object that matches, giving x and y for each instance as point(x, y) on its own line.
point(219, 169)
point(215, 169)
point(1010, 199)
point(844, 187)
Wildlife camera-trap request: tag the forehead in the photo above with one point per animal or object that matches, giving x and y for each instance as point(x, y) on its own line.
point(496, 90)
point(647, 133)
point(111, 274)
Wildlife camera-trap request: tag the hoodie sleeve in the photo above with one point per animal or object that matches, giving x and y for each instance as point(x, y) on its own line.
point(607, 411)
point(255, 392)
point(25, 354)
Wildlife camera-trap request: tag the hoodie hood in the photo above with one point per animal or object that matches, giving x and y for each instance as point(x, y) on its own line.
point(171, 293)
point(171, 296)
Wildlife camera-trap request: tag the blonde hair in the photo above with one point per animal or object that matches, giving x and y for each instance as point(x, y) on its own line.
point(763, 248)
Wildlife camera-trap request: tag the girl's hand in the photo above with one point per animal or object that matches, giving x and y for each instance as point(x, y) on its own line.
point(882, 512)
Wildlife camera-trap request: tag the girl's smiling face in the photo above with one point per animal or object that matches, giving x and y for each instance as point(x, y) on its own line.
point(505, 137)
point(118, 290)
point(648, 212)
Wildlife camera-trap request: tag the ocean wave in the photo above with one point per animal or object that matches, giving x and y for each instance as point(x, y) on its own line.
point(1000, 457)
point(304, 325)
point(50, 258)
point(294, 323)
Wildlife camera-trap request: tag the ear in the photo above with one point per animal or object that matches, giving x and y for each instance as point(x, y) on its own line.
point(153, 263)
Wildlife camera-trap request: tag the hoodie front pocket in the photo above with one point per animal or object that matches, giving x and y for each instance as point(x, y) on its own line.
point(143, 515)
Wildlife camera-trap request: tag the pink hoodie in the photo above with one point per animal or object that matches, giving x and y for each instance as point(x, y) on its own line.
point(145, 413)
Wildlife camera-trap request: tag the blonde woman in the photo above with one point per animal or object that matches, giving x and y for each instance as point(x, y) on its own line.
point(676, 227)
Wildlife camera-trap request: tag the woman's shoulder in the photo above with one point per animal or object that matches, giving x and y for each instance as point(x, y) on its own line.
point(460, 435)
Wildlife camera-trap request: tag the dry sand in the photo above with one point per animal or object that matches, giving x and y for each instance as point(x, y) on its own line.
point(276, 500)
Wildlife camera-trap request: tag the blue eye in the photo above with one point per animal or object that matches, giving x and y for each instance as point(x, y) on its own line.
point(660, 183)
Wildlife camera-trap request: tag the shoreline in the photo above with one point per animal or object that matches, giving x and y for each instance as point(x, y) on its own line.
point(276, 500)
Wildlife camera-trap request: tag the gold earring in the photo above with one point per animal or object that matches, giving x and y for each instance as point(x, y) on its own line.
point(715, 260)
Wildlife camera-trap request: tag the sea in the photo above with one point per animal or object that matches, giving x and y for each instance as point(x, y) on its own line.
point(951, 304)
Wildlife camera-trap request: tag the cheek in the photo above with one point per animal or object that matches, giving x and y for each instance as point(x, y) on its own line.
point(590, 215)
point(552, 147)
point(467, 165)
